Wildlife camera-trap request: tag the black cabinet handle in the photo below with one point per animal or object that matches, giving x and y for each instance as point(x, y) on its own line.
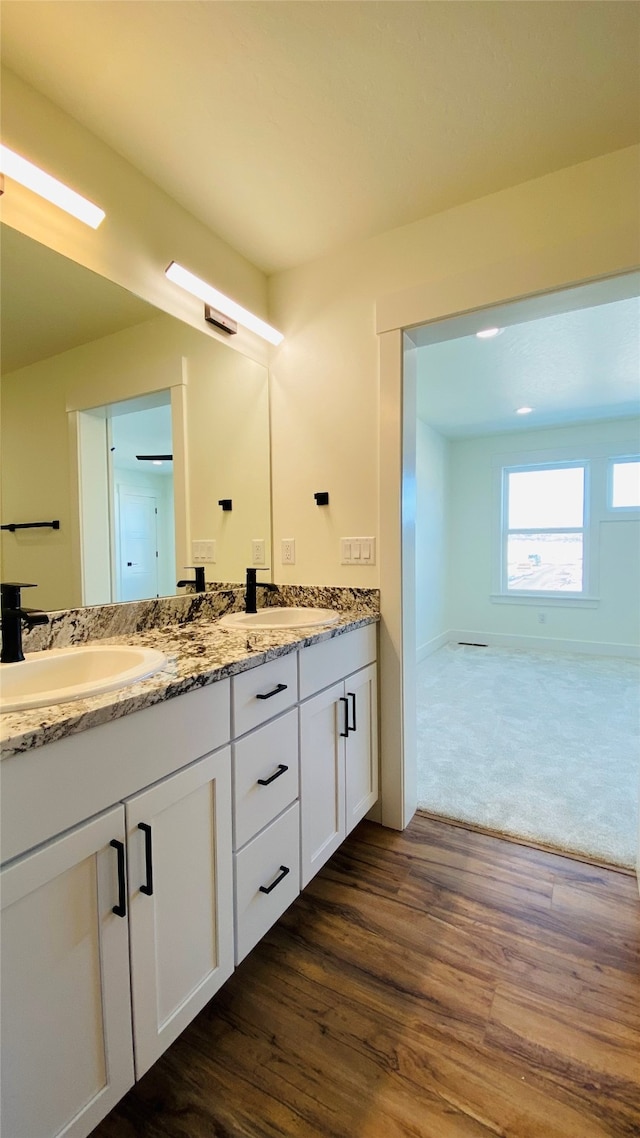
point(352, 696)
point(276, 774)
point(148, 856)
point(345, 734)
point(120, 909)
point(284, 870)
point(278, 688)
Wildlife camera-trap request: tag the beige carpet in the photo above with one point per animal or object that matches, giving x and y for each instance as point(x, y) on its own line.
point(538, 745)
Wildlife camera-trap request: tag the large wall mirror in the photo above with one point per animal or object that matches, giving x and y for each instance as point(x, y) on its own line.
point(127, 427)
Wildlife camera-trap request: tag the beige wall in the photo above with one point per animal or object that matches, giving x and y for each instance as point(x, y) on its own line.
point(577, 224)
point(473, 514)
point(143, 230)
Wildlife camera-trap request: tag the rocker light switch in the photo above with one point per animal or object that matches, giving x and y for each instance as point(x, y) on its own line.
point(358, 551)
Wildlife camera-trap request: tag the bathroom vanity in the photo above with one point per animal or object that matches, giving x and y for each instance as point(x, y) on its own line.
point(146, 855)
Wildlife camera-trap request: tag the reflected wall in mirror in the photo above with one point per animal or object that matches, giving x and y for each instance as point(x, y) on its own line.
point(81, 361)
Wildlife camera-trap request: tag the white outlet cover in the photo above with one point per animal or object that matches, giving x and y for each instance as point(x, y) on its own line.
point(288, 551)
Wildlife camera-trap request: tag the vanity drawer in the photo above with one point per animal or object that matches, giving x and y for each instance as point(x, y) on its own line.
point(262, 692)
point(261, 756)
point(260, 866)
point(322, 664)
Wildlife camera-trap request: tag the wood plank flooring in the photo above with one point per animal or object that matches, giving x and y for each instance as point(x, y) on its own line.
point(438, 983)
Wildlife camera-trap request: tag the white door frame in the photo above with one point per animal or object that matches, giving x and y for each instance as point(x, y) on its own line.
point(520, 278)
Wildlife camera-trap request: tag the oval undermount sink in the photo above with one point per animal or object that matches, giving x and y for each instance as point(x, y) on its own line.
point(275, 619)
point(62, 674)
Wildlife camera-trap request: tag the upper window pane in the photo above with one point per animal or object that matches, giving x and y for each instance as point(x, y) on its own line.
point(626, 485)
point(546, 499)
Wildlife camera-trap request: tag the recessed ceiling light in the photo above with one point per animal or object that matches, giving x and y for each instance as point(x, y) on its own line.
point(41, 183)
point(489, 333)
point(524, 410)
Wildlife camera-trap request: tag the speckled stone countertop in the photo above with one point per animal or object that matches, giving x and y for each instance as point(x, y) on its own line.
point(198, 652)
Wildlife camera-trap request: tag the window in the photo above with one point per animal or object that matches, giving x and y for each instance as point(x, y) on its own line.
point(624, 484)
point(543, 532)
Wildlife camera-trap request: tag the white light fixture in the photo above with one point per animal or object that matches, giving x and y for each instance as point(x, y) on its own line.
point(222, 303)
point(524, 410)
point(489, 333)
point(50, 188)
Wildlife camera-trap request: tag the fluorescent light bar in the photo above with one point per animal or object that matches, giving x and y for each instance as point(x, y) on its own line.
point(206, 292)
point(489, 333)
point(50, 188)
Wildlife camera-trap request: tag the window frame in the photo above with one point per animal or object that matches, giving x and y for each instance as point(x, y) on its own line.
point(619, 511)
point(585, 530)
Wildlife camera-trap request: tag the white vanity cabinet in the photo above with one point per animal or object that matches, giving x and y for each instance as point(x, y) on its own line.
point(266, 809)
point(76, 1019)
point(338, 742)
point(67, 1055)
point(145, 857)
point(180, 900)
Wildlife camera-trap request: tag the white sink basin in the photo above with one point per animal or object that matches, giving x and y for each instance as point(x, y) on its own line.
point(278, 618)
point(62, 674)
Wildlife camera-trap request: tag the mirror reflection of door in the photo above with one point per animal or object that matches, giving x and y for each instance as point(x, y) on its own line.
point(128, 506)
point(137, 544)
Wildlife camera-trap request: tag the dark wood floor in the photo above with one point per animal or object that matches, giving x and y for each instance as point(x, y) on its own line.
point(437, 983)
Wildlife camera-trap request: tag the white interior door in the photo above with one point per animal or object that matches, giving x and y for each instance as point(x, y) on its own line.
point(67, 1055)
point(137, 557)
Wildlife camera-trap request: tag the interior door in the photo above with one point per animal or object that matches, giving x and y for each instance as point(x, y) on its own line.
point(137, 526)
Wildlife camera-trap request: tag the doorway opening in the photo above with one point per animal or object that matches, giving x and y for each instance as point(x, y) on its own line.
point(527, 561)
point(127, 530)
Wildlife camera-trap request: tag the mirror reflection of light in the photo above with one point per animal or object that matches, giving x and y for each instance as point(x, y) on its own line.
point(489, 333)
point(43, 184)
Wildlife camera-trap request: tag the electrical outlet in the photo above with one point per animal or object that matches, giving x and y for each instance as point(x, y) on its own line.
point(257, 551)
point(288, 547)
point(542, 618)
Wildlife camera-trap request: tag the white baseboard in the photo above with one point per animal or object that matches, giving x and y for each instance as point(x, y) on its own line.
point(431, 646)
point(541, 643)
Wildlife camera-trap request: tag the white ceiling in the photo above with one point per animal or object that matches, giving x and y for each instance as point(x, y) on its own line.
point(292, 128)
point(569, 367)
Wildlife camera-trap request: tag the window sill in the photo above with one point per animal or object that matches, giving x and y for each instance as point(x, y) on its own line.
point(540, 599)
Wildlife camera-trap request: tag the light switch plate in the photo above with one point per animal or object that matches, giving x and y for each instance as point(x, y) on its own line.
point(203, 552)
point(357, 551)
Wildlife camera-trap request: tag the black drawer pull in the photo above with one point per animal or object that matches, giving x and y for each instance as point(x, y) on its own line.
point(277, 689)
point(148, 856)
point(120, 909)
point(284, 870)
point(345, 734)
point(352, 696)
point(276, 774)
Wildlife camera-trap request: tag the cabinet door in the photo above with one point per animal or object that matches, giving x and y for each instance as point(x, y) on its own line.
point(67, 1052)
point(361, 760)
point(322, 722)
point(180, 900)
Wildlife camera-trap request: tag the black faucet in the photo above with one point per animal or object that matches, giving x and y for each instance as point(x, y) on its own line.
point(199, 578)
point(250, 597)
point(12, 617)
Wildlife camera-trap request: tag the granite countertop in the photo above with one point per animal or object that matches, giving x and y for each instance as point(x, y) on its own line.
point(198, 653)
